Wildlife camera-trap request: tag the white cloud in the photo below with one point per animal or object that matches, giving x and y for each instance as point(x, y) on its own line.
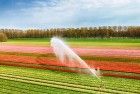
point(75, 12)
point(65, 10)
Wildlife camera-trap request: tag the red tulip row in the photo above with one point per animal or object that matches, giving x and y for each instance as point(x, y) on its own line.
point(115, 66)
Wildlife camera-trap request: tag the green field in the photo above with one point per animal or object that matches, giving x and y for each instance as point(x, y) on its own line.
point(21, 80)
point(81, 42)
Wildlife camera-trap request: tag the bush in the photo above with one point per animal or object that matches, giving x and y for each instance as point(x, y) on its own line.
point(3, 37)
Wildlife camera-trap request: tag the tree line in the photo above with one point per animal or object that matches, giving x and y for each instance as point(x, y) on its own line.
point(83, 32)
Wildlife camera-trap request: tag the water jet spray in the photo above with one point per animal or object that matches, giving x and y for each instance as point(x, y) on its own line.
point(65, 54)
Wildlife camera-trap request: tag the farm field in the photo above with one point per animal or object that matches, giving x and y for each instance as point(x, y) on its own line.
point(69, 47)
point(118, 60)
point(37, 81)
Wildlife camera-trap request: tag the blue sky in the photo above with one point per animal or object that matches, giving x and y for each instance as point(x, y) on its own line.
point(25, 14)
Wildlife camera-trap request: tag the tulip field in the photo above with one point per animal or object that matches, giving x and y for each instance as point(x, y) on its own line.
point(29, 66)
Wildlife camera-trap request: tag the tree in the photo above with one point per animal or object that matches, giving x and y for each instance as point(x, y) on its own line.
point(3, 37)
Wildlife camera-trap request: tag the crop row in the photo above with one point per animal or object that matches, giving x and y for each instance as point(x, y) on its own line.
point(70, 69)
point(54, 84)
point(26, 88)
point(62, 85)
point(108, 83)
point(117, 66)
point(95, 86)
point(133, 53)
point(110, 59)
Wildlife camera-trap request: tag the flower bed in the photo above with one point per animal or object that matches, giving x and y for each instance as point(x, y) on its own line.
point(116, 66)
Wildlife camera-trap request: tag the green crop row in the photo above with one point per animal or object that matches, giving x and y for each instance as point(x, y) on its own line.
point(74, 87)
point(26, 88)
point(107, 83)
